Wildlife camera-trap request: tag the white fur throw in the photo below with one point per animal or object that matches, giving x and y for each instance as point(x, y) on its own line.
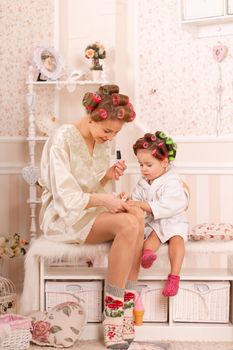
point(50, 251)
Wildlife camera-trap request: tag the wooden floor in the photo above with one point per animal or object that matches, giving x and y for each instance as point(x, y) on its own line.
point(95, 345)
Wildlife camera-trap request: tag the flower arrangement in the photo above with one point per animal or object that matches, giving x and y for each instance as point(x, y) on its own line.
point(12, 246)
point(95, 52)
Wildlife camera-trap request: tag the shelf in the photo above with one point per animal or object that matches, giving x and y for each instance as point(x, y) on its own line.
point(85, 273)
point(74, 272)
point(165, 332)
point(66, 82)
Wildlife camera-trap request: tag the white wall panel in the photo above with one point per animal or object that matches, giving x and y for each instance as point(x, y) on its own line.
point(226, 198)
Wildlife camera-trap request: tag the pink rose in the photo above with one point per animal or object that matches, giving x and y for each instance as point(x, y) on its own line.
point(40, 331)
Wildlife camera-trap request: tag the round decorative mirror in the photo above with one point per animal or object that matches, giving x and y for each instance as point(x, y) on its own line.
point(49, 62)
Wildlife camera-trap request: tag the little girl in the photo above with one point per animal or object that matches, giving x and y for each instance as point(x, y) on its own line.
point(163, 196)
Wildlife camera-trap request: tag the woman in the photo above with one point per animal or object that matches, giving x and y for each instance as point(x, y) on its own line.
point(76, 207)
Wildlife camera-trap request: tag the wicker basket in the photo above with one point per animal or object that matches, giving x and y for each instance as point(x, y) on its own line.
point(202, 301)
point(14, 332)
point(155, 304)
point(90, 291)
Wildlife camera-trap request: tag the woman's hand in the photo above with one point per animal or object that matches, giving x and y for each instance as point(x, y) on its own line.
point(109, 201)
point(116, 171)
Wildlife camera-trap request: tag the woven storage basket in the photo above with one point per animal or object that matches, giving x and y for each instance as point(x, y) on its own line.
point(155, 304)
point(7, 296)
point(15, 332)
point(202, 302)
point(90, 291)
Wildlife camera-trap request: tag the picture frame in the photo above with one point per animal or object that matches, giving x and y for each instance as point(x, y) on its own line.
point(49, 63)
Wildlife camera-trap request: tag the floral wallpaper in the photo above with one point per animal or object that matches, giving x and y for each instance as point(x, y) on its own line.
point(178, 75)
point(23, 25)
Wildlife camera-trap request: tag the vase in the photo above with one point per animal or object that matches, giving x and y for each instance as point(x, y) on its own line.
point(96, 75)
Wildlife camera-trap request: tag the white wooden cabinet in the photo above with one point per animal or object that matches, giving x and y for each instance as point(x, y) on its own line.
point(230, 7)
point(206, 11)
point(153, 331)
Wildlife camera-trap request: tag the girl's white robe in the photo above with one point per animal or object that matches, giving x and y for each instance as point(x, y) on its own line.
point(169, 201)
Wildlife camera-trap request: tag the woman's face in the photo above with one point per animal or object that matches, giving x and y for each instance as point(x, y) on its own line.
point(105, 130)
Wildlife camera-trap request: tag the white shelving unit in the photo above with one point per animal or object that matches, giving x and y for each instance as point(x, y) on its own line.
point(154, 331)
point(31, 171)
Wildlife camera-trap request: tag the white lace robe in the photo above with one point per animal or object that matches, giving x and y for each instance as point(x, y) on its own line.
point(69, 174)
point(168, 200)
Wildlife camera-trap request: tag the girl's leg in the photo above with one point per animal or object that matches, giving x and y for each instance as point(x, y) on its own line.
point(151, 245)
point(152, 242)
point(176, 251)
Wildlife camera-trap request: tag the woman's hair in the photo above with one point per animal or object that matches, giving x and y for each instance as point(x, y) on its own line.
point(159, 144)
point(107, 103)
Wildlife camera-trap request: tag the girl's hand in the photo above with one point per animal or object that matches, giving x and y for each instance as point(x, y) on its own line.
point(115, 171)
point(115, 204)
point(140, 204)
point(134, 203)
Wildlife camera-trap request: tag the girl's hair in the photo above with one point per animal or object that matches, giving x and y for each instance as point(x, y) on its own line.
point(159, 144)
point(107, 103)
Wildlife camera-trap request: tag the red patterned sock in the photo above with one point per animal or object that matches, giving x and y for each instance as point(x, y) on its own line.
point(148, 257)
point(129, 299)
point(171, 286)
point(113, 318)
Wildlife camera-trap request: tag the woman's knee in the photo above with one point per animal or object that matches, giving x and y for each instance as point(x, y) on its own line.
point(129, 228)
point(138, 213)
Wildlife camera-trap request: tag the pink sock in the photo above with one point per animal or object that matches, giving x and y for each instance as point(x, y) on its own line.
point(171, 286)
point(148, 257)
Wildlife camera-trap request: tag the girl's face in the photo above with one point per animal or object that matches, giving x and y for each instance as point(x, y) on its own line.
point(151, 167)
point(105, 130)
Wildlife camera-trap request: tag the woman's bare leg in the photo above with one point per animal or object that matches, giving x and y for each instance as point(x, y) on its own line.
point(126, 230)
point(123, 229)
point(133, 275)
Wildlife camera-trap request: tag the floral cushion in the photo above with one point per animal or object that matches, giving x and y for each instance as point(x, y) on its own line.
point(60, 326)
point(208, 231)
